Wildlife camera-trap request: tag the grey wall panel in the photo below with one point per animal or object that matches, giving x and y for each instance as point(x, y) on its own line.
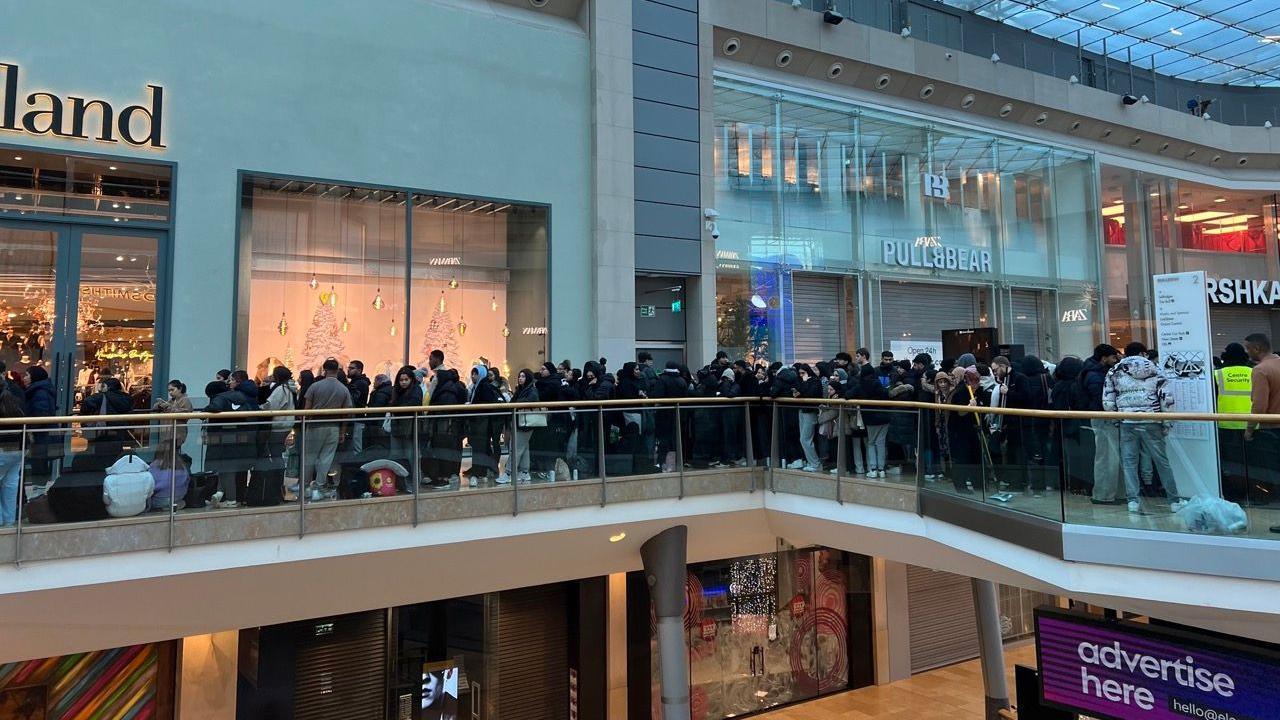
point(666, 120)
point(663, 254)
point(666, 87)
point(690, 5)
point(663, 186)
point(664, 54)
point(676, 221)
point(664, 20)
point(666, 153)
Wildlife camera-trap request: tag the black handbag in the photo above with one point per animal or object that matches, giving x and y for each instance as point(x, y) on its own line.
point(200, 488)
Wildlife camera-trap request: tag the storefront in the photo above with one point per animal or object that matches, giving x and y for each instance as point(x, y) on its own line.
point(138, 681)
point(534, 653)
point(364, 201)
point(844, 225)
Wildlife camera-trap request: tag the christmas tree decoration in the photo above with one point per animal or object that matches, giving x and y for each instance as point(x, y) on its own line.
point(462, 328)
point(506, 331)
point(282, 327)
point(329, 298)
point(346, 327)
point(441, 301)
point(314, 282)
point(288, 356)
point(323, 339)
point(439, 336)
point(378, 304)
point(493, 303)
point(453, 283)
point(393, 328)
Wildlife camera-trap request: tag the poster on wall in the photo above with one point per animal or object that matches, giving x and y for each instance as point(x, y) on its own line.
point(1131, 671)
point(908, 349)
point(1186, 351)
point(439, 691)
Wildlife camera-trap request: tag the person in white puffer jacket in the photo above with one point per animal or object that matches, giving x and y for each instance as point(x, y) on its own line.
point(127, 487)
point(1136, 385)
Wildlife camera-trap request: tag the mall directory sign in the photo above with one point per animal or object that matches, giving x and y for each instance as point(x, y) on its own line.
point(1132, 671)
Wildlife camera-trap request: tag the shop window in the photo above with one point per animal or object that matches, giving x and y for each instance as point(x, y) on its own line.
point(129, 682)
point(323, 271)
point(104, 189)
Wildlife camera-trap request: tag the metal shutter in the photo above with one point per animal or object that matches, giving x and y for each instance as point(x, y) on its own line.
point(1234, 324)
point(815, 302)
point(342, 668)
point(944, 627)
point(921, 311)
point(532, 655)
point(1025, 305)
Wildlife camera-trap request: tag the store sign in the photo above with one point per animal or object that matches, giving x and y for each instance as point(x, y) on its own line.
point(1128, 670)
point(1186, 347)
point(539, 330)
point(708, 629)
point(1078, 315)
point(929, 252)
point(1237, 291)
point(935, 186)
point(909, 349)
point(45, 113)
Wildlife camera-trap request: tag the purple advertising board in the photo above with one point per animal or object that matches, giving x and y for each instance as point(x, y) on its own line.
point(1132, 671)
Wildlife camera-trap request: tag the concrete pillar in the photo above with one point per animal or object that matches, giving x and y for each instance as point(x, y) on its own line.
point(617, 635)
point(986, 608)
point(664, 571)
point(892, 621)
point(207, 684)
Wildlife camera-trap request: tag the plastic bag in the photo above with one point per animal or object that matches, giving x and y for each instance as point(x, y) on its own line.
point(1213, 516)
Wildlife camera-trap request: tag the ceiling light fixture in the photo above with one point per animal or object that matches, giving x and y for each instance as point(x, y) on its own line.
point(1112, 210)
point(619, 537)
point(1201, 216)
point(1226, 230)
point(1219, 199)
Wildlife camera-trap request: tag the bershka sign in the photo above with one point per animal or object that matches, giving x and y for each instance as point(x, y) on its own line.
point(44, 113)
point(929, 252)
point(1131, 671)
point(1236, 291)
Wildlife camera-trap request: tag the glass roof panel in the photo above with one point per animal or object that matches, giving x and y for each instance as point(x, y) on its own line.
point(1221, 41)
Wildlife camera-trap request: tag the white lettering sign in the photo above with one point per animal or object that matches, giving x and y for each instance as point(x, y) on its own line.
point(1237, 291)
point(533, 331)
point(929, 252)
point(935, 186)
point(1079, 315)
point(445, 261)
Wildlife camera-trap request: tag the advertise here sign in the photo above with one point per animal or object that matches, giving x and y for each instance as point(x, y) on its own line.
point(1131, 671)
point(929, 252)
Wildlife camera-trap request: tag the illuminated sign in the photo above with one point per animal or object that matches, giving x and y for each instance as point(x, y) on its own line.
point(44, 113)
point(1069, 316)
point(935, 186)
point(1235, 291)
point(445, 261)
point(533, 331)
point(929, 252)
point(119, 293)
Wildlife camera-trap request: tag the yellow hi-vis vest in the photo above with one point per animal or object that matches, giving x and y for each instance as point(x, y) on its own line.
point(1235, 385)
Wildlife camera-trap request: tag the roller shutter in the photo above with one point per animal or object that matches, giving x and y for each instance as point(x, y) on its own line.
point(533, 654)
point(1234, 324)
point(816, 317)
point(342, 668)
point(921, 311)
point(1026, 307)
point(944, 628)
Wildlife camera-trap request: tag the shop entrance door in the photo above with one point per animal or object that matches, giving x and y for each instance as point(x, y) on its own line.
point(80, 303)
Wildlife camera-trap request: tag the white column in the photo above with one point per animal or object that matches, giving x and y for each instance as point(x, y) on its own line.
point(892, 621)
point(617, 650)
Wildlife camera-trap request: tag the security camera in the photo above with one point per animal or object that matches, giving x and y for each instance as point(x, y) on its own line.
point(1128, 99)
point(1207, 116)
point(832, 16)
point(995, 57)
point(1144, 99)
point(1267, 124)
point(1073, 80)
point(797, 4)
point(949, 56)
point(710, 213)
point(714, 228)
point(906, 31)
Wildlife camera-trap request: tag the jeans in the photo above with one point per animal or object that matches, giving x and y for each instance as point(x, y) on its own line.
point(877, 435)
point(521, 449)
point(857, 447)
point(1106, 441)
point(322, 443)
point(1136, 438)
point(809, 428)
point(10, 469)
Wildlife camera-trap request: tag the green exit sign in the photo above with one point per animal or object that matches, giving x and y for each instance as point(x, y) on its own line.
point(676, 306)
point(648, 311)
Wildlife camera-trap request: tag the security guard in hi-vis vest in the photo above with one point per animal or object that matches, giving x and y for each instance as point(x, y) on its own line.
point(1234, 383)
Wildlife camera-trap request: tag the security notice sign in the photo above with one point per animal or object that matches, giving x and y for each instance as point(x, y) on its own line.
point(1131, 671)
point(1186, 355)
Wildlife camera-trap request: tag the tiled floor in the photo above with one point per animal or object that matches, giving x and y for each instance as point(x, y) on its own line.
point(949, 693)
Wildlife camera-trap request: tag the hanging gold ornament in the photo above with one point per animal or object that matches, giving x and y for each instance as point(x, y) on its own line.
point(333, 297)
point(282, 327)
point(377, 300)
point(453, 283)
point(393, 328)
point(441, 301)
point(314, 282)
point(462, 328)
point(345, 325)
point(506, 331)
point(493, 303)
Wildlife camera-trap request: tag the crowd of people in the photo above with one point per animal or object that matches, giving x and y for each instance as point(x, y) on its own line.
point(946, 439)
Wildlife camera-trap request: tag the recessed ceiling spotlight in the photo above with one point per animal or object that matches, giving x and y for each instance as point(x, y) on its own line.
point(783, 59)
point(1136, 141)
point(1219, 199)
point(538, 3)
point(835, 71)
point(1216, 158)
point(17, 157)
point(882, 82)
point(1191, 153)
point(1042, 118)
point(1164, 147)
point(1106, 133)
point(967, 101)
point(732, 46)
point(1243, 161)
point(1075, 126)
point(926, 92)
point(1006, 109)
point(112, 167)
point(618, 537)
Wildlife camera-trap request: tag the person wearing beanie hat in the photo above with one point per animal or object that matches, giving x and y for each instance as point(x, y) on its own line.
point(966, 360)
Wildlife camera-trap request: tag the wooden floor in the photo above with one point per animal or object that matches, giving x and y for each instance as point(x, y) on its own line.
point(950, 693)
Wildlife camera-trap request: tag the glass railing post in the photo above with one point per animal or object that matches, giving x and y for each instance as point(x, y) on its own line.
point(1064, 472)
point(840, 453)
point(680, 449)
point(749, 448)
point(416, 472)
point(600, 450)
point(302, 477)
point(173, 470)
point(774, 458)
point(21, 502)
point(513, 465)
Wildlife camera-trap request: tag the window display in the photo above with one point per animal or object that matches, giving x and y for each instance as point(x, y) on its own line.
point(386, 276)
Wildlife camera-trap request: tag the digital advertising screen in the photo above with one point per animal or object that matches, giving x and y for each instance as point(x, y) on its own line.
point(439, 691)
point(1131, 671)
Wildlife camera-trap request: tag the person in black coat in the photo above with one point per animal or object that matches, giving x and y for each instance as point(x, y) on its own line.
point(733, 442)
point(1068, 438)
point(375, 439)
point(1027, 438)
point(231, 448)
point(484, 460)
point(405, 392)
point(595, 384)
point(443, 459)
point(965, 437)
point(786, 384)
point(706, 429)
point(875, 420)
point(670, 386)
